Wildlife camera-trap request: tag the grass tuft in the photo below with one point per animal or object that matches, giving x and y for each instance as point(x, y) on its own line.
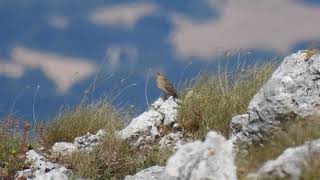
point(213, 99)
point(78, 122)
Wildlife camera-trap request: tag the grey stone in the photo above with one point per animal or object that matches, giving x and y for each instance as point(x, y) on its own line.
point(41, 168)
point(211, 159)
point(145, 129)
point(293, 89)
point(89, 140)
point(151, 173)
point(170, 140)
point(63, 148)
point(82, 143)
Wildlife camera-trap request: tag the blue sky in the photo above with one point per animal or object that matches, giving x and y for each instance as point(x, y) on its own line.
point(51, 50)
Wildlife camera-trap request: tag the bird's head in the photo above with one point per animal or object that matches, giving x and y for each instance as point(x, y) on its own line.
point(159, 74)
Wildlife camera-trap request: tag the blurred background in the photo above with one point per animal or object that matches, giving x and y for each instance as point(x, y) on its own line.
point(54, 54)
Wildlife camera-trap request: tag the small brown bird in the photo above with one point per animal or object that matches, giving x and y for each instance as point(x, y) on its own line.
point(165, 86)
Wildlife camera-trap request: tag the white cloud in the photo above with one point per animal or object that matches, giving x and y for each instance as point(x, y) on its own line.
point(270, 24)
point(63, 71)
point(11, 69)
point(124, 15)
point(58, 22)
point(117, 55)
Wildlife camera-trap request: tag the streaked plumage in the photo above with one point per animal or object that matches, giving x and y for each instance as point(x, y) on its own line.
point(165, 86)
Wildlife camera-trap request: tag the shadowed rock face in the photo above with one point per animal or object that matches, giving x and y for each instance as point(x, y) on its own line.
point(293, 89)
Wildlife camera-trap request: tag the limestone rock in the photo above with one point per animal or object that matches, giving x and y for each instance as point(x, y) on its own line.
point(89, 140)
point(41, 168)
point(63, 148)
point(170, 140)
point(82, 143)
point(211, 159)
point(293, 89)
point(151, 173)
point(152, 124)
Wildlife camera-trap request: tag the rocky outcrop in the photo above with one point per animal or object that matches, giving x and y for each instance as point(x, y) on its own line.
point(293, 90)
point(153, 124)
point(291, 163)
point(42, 169)
point(82, 143)
point(211, 159)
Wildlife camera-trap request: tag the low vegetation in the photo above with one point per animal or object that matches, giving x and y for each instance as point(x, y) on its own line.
point(83, 119)
point(293, 133)
point(211, 100)
point(114, 159)
point(10, 157)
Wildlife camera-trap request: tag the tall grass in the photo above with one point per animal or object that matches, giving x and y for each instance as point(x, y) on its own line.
point(83, 119)
point(211, 100)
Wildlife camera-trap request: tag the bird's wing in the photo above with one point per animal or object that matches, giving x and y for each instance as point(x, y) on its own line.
point(169, 86)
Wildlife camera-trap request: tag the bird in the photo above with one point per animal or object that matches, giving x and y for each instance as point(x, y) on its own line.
point(165, 86)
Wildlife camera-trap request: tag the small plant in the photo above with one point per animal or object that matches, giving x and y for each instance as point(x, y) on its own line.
point(24, 147)
point(212, 100)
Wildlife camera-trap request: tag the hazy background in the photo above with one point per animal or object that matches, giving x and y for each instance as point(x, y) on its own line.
point(51, 50)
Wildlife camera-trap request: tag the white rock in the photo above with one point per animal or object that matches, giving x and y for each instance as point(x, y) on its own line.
point(152, 173)
point(143, 129)
point(85, 143)
point(290, 164)
point(52, 175)
point(170, 140)
point(23, 174)
point(211, 159)
point(294, 88)
point(41, 168)
point(63, 149)
point(89, 140)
